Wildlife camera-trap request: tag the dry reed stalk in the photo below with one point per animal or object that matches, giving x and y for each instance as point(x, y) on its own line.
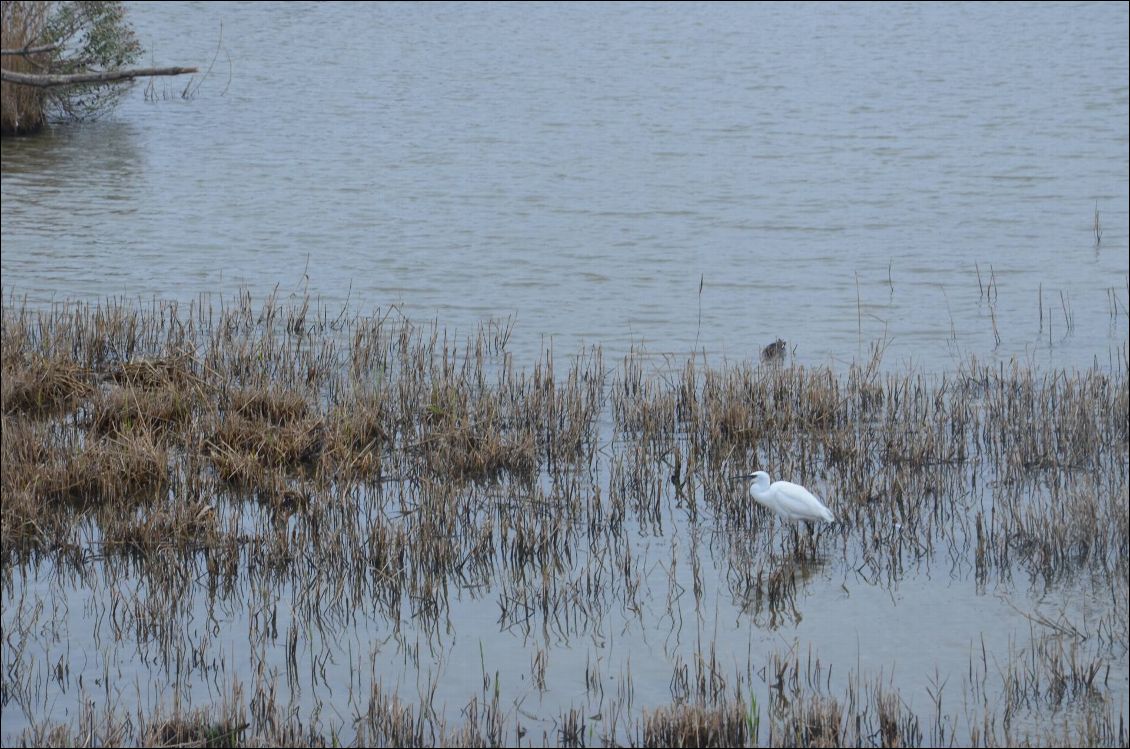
point(22, 26)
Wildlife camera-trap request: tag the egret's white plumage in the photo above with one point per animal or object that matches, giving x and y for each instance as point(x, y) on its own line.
point(788, 500)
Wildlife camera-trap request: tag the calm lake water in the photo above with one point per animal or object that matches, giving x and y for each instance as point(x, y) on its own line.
point(673, 177)
point(830, 174)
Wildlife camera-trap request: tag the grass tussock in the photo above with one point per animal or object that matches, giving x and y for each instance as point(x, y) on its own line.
point(175, 371)
point(48, 470)
point(245, 450)
point(468, 454)
point(692, 725)
point(49, 480)
point(817, 722)
point(163, 411)
point(198, 730)
point(268, 406)
point(359, 433)
point(40, 385)
point(172, 529)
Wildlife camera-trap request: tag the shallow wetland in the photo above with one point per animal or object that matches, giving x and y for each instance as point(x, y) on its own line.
point(387, 387)
point(265, 523)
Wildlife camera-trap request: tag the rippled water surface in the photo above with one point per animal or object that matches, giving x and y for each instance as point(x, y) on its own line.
point(828, 173)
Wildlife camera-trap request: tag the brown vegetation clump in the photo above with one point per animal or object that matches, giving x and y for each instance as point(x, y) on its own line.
point(816, 722)
point(48, 479)
point(41, 385)
point(226, 726)
point(174, 370)
point(125, 469)
point(693, 725)
point(358, 434)
point(268, 406)
point(163, 411)
point(179, 528)
point(41, 462)
point(245, 449)
point(259, 433)
point(465, 453)
point(471, 440)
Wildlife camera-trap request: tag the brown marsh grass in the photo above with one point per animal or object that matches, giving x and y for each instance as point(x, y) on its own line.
point(43, 386)
point(311, 473)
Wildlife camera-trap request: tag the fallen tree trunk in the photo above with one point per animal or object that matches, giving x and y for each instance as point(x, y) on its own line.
point(39, 80)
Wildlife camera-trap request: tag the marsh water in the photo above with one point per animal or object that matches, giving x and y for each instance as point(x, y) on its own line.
point(949, 180)
point(827, 173)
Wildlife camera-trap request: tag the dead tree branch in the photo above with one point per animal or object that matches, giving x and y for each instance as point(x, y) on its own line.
point(108, 76)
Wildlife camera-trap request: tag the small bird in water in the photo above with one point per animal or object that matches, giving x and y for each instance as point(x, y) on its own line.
point(787, 500)
point(775, 351)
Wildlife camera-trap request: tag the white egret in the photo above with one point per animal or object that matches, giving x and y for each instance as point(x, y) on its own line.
point(789, 501)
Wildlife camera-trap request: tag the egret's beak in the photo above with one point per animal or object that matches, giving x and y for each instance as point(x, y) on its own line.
point(742, 477)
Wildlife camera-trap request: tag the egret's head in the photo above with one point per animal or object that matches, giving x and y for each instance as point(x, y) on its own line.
point(759, 478)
